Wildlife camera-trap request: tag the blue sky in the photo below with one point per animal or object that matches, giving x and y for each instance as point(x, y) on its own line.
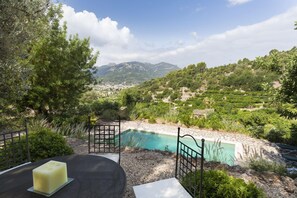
point(183, 32)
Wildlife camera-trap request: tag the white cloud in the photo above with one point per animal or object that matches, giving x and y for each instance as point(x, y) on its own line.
point(118, 44)
point(195, 36)
point(101, 31)
point(237, 2)
point(244, 41)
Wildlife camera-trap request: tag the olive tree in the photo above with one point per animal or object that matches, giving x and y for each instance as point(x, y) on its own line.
point(62, 69)
point(21, 23)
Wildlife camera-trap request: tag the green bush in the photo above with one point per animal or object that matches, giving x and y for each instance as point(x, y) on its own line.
point(287, 110)
point(256, 131)
point(110, 115)
point(293, 138)
point(44, 143)
point(281, 131)
point(275, 135)
point(152, 120)
point(200, 122)
point(255, 160)
point(261, 165)
point(218, 184)
point(256, 118)
point(233, 125)
point(99, 107)
point(214, 122)
point(78, 130)
point(185, 119)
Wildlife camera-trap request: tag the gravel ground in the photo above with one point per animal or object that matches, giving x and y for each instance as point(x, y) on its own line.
point(146, 166)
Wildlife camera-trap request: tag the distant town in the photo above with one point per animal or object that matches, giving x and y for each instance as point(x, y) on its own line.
point(109, 89)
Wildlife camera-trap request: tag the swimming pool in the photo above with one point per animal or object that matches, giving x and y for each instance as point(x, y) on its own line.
point(214, 151)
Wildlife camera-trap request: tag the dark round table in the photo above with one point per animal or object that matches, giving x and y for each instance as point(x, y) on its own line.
point(94, 176)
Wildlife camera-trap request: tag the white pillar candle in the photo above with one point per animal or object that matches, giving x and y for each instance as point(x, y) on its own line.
point(49, 176)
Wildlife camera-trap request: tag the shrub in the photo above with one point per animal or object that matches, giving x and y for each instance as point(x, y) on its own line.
point(200, 122)
point(44, 143)
point(214, 151)
point(110, 114)
point(233, 125)
point(255, 160)
point(214, 122)
point(184, 119)
point(293, 138)
point(65, 129)
point(256, 131)
point(275, 135)
point(254, 119)
point(262, 165)
point(99, 107)
point(38, 123)
point(79, 131)
point(217, 183)
point(288, 110)
point(152, 120)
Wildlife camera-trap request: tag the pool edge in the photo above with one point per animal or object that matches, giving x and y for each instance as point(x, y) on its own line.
point(238, 147)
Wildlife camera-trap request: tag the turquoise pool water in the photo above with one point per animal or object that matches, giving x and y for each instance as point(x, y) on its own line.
point(216, 151)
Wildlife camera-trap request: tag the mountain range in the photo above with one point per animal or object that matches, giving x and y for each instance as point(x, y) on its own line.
point(132, 72)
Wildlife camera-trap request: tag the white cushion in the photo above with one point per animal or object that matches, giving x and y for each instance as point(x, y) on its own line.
point(2, 172)
point(112, 156)
point(167, 188)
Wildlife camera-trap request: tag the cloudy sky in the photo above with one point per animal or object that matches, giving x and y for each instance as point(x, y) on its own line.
point(183, 32)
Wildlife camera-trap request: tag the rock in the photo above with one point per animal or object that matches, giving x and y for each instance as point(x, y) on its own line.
point(290, 188)
point(245, 177)
point(250, 172)
point(289, 184)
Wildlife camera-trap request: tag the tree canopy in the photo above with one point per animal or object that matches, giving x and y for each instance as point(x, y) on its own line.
point(288, 90)
point(289, 84)
point(22, 22)
point(61, 69)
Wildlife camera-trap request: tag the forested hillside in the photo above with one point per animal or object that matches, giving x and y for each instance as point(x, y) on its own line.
point(245, 75)
point(241, 97)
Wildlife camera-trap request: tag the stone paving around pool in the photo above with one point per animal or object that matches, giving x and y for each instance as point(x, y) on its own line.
point(245, 146)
